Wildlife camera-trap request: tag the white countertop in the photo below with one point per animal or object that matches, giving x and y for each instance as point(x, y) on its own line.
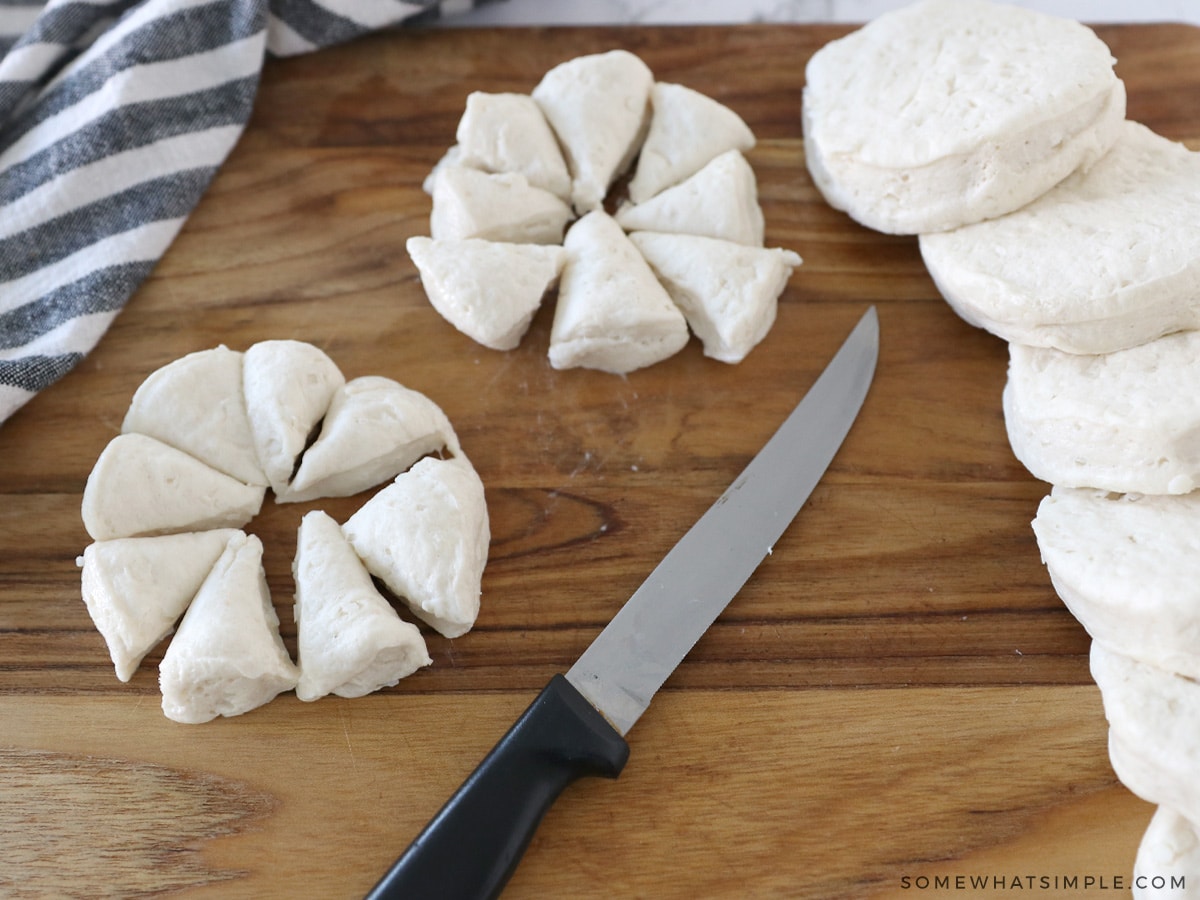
point(682, 12)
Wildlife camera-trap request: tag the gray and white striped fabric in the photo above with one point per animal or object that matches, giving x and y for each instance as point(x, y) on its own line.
point(114, 117)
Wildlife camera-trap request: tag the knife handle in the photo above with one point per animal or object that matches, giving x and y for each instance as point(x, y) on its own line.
point(470, 849)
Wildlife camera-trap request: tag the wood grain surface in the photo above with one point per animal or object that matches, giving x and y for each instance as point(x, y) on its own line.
point(896, 695)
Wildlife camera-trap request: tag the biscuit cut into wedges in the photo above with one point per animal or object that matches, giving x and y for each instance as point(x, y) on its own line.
point(687, 131)
point(1128, 567)
point(1169, 854)
point(508, 133)
point(288, 386)
point(727, 291)
point(350, 640)
point(612, 314)
point(947, 112)
point(426, 537)
point(141, 486)
point(1108, 259)
point(137, 588)
point(1154, 729)
point(469, 203)
point(227, 657)
point(375, 429)
point(487, 290)
point(196, 405)
point(1126, 421)
point(598, 105)
point(719, 201)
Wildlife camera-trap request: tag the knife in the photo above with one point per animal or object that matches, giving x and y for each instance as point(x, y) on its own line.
point(577, 725)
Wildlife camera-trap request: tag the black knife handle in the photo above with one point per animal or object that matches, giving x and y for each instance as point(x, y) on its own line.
point(470, 849)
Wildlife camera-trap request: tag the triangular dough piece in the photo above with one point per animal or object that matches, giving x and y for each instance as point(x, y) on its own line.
point(426, 537)
point(508, 133)
point(137, 588)
point(140, 486)
point(350, 641)
point(488, 290)
point(687, 131)
point(288, 386)
point(1154, 729)
point(720, 201)
point(1106, 260)
point(375, 429)
point(195, 404)
point(598, 105)
point(1128, 568)
point(612, 313)
point(469, 203)
point(1125, 421)
point(227, 656)
point(727, 291)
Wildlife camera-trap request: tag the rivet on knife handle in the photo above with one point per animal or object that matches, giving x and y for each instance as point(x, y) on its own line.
point(470, 849)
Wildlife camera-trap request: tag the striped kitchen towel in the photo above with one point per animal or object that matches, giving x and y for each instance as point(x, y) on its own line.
point(114, 117)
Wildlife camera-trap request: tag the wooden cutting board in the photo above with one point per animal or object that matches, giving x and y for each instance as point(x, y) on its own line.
point(897, 694)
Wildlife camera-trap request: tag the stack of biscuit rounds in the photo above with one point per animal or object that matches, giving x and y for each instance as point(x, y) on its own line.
point(998, 136)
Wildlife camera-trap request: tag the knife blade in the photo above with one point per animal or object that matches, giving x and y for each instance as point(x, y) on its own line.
point(576, 726)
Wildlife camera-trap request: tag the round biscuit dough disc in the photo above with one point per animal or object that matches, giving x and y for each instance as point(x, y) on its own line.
point(1106, 260)
point(947, 112)
point(1126, 421)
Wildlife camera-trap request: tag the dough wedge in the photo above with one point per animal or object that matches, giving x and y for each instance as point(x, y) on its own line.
point(612, 314)
point(141, 487)
point(426, 537)
point(728, 292)
point(350, 640)
point(719, 201)
point(598, 106)
point(136, 589)
point(227, 657)
point(488, 290)
point(196, 405)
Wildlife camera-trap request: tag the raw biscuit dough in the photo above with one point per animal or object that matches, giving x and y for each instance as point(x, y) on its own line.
point(488, 290)
point(288, 386)
point(375, 429)
point(1107, 260)
point(426, 537)
point(947, 112)
point(728, 292)
point(612, 313)
point(598, 106)
point(719, 201)
point(1128, 568)
point(350, 641)
point(195, 404)
point(141, 486)
point(508, 133)
point(469, 203)
point(1127, 421)
point(687, 131)
point(136, 589)
point(1154, 729)
point(227, 657)
point(1168, 856)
